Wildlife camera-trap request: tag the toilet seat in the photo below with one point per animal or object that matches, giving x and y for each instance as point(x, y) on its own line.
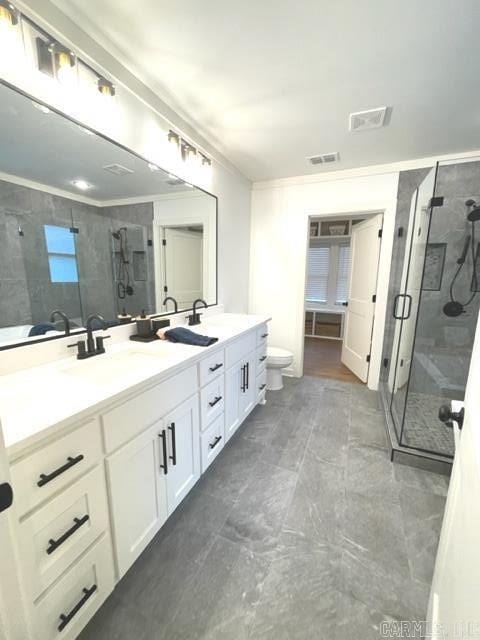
point(278, 356)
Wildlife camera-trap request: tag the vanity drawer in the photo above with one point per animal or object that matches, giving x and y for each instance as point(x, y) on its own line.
point(58, 533)
point(69, 605)
point(212, 401)
point(129, 419)
point(212, 366)
point(212, 441)
point(261, 358)
point(261, 385)
point(262, 335)
point(43, 473)
point(240, 348)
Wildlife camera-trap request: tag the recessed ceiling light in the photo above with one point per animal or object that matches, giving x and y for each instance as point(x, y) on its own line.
point(153, 167)
point(41, 107)
point(83, 185)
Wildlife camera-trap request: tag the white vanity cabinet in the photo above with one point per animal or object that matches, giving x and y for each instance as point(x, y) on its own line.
point(93, 494)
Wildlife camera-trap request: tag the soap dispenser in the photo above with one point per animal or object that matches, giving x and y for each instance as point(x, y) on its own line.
point(144, 325)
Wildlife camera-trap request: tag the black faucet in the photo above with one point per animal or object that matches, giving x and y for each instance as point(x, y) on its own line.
point(95, 346)
point(172, 300)
point(66, 321)
point(195, 317)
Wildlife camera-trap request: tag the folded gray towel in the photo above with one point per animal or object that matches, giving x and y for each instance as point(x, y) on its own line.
point(184, 335)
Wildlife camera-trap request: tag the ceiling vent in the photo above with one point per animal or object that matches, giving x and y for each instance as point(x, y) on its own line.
point(371, 119)
point(326, 158)
point(117, 169)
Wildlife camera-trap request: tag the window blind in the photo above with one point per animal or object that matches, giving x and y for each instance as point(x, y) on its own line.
point(343, 270)
point(317, 274)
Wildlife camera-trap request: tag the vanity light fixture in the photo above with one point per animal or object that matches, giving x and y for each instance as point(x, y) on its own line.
point(189, 153)
point(9, 15)
point(63, 61)
point(106, 87)
point(173, 138)
point(206, 162)
point(81, 184)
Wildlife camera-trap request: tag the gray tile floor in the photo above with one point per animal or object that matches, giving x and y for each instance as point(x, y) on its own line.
point(302, 529)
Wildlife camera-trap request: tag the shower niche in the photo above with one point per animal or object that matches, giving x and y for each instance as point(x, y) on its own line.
point(433, 306)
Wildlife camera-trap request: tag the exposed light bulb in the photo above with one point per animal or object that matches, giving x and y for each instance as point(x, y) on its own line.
point(153, 167)
point(8, 16)
point(106, 88)
point(65, 67)
point(83, 185)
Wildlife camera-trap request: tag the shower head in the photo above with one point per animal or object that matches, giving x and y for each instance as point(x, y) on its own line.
point(474, 213)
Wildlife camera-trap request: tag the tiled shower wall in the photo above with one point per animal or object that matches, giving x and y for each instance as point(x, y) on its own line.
point(27, 296)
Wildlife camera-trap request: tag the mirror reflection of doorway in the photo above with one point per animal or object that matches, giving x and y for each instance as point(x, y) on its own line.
point(183, 264)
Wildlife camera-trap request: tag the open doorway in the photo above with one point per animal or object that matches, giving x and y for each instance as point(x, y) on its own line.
point(340, 295)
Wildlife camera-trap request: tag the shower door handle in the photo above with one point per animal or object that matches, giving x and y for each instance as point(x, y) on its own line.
point(404, 297)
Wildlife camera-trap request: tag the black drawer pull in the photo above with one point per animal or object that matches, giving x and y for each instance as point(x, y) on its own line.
point(71, 462)
point(216, 401)
point(68, 617)
point(173, 457)
point(262, 358)
point(215, 442)
point(264, 335)
point(217, 366)
point(54, 544)
point(262, 387)
point(247, 384)
point(163, 437)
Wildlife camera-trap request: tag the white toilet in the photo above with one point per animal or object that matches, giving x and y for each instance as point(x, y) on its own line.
point(277, 359)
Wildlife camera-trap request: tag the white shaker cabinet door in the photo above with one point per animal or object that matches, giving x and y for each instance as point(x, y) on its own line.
point(183, 451)
point(233, 389)
point(138, 493)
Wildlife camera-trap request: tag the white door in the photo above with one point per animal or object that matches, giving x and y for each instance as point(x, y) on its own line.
point(454, 609)
point(233, 389)
point(183, 266)
point(13, 624)
point(137, 482)
point(357, 337)
point(183, 430)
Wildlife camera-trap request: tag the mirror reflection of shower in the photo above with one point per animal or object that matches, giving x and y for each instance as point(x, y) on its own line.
point(454, 308)
point(123, 276)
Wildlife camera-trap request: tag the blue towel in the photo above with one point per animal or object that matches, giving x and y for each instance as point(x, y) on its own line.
point(181, 334)
point(41, 329)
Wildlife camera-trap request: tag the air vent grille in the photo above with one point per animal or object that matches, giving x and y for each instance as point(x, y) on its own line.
point(370, 119)
point(117, 169)
point(326, 158)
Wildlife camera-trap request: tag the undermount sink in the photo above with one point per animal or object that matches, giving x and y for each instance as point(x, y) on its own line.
point(103, 368)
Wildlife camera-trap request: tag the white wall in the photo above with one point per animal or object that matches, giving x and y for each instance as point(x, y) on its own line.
point(139, 120)
point(279, 238)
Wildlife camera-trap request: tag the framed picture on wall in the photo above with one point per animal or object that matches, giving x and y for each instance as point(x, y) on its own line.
point(314, 229)
point(434, 265)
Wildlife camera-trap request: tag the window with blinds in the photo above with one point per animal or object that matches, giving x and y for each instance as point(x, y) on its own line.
point(343, 270)
point(317, 274)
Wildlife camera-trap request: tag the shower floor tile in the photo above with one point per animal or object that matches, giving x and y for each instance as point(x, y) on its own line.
point(423, 429)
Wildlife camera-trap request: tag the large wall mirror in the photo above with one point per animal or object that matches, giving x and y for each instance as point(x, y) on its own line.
point(88, 227)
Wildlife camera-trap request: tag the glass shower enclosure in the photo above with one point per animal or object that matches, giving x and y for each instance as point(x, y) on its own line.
point(434, 304)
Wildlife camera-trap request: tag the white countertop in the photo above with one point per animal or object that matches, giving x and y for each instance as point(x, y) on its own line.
point(36, 402)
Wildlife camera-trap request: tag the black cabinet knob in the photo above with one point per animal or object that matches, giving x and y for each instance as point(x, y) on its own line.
point(446, 415)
